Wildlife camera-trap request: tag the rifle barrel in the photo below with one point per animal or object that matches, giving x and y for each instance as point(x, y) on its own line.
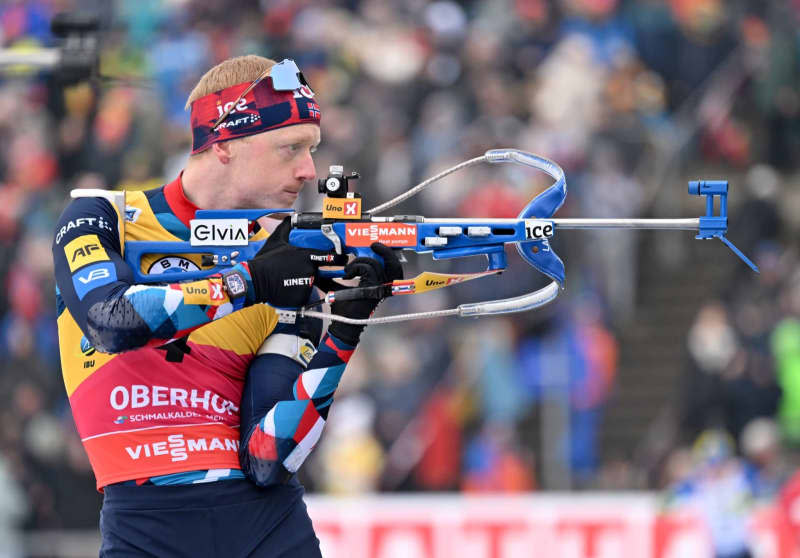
point(681, 224)
point(690, 224)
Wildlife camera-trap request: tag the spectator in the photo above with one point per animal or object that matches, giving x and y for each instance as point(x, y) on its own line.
point(718, 491)
point(766, 468)
point(785, 341)
point(13, 508)
point(712, 345)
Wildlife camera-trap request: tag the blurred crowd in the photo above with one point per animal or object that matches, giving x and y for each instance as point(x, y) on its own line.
point(627, 96)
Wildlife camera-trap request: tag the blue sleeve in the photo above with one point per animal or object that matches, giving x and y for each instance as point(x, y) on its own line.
point(91, 275)
point(96, 284)
point(284, 408)
point(269, 381)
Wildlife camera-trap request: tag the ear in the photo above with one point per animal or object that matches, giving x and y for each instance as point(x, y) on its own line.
point(222, 151)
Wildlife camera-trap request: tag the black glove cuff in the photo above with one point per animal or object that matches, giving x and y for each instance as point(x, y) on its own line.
point(349, 333)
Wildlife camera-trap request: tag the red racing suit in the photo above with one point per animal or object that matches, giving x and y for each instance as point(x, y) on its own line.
point(159, 409)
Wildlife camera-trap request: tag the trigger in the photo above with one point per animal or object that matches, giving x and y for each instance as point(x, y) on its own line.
point(327, 230)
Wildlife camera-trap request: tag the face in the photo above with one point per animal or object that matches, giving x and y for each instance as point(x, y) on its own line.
point(269, 170)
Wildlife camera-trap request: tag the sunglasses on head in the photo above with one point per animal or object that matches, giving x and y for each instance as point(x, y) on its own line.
point(285, 76)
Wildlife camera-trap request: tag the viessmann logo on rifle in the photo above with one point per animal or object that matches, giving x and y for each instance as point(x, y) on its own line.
point(218, 232)
point(390, 234)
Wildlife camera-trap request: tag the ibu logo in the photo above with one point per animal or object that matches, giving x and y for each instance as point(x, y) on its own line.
point(86, 347)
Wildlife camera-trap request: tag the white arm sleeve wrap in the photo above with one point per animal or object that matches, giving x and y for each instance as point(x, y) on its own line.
point(292, 346)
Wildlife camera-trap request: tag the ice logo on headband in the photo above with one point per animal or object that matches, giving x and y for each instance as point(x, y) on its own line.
point(240, 106)
point(304, 91)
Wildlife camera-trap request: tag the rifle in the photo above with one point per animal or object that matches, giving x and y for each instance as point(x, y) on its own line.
point(221, 237)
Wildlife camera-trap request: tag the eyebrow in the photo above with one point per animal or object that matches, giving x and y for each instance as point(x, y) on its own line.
point(303, 138)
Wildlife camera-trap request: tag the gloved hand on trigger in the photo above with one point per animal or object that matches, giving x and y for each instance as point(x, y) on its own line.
point(282, 274)
point(370, 272)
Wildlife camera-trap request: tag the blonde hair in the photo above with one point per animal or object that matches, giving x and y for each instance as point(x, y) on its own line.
point(230, 72)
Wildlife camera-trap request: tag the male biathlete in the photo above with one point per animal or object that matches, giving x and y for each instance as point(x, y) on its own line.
point(160, 376)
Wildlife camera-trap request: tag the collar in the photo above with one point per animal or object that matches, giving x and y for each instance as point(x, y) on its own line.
point(178, 202)
point(184, 209)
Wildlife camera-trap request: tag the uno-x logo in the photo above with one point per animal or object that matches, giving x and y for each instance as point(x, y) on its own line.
point(202, 292)
point(196, 290)
point(84, 250)
point(341, 208)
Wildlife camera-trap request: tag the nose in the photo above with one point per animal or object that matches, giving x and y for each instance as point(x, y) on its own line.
point(305, 170)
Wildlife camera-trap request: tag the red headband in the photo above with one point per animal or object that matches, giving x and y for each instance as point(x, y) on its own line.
point(261, 109)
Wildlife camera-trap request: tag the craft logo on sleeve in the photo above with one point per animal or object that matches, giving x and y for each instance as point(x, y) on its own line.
point(391, 234)
point(84, 250)
point(98, 222)
point(341, 208)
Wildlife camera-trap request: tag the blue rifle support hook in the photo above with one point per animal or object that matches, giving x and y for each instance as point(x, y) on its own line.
point(715, 226)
